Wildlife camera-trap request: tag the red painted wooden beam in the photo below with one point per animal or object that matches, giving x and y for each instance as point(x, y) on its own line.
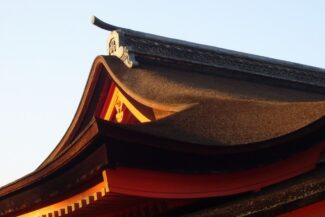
point(313, 210)
point(157, 184)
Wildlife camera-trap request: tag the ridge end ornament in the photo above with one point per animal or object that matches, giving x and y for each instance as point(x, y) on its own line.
point(115, 46)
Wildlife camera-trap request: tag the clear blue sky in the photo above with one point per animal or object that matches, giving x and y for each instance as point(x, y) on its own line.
point(46, 51)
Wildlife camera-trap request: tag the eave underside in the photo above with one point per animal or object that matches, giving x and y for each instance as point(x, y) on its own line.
point(303, 192)
point(296, 194)
point(96, 153)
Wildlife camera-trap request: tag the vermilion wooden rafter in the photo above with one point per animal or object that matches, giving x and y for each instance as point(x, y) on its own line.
point(157, 184)
point(313, 210)
point(123, 184)
point(99, 200)
point(108, 97)
point(71, 204)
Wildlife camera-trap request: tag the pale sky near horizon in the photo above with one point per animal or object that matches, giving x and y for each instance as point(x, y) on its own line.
point(47, 49)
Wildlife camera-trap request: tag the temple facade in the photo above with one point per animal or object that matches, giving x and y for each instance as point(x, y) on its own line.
point(167, 127)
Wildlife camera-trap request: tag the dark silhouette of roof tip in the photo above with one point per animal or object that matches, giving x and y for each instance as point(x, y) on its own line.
point(101, 24)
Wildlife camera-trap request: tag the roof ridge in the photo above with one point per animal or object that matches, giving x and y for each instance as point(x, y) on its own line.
point(134, 48)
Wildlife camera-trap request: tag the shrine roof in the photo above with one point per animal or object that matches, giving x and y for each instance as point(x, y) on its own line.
point(207, 111)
